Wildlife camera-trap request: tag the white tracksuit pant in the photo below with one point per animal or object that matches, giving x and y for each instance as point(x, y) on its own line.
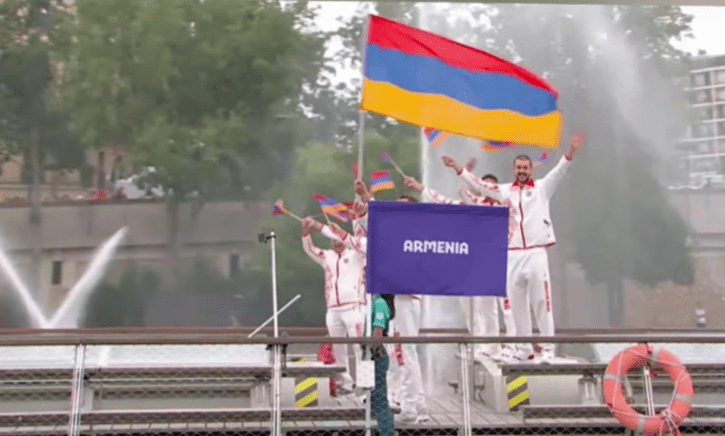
point(407, 322)
point(529, 286)
point(345, 321)
point(485, 320)
point(395, 374)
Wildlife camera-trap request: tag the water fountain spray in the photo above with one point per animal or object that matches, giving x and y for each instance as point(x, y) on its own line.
point(71, 309)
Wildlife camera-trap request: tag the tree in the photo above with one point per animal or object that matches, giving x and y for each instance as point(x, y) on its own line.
point(122, 304)
point(200, 91)
point(30, 33)
point(12, 313)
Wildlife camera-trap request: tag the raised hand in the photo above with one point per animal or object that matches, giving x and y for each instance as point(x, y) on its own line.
point(362, 190)
point(451, 163)
point(306, 225)
point(576, 141)
point(413, 184)
point(471, 164)
point(359, 209)
point(337, 230)
point(316, 224)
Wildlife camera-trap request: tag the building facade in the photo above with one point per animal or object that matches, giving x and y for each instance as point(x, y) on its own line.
point(700, 154)
point(221, 234)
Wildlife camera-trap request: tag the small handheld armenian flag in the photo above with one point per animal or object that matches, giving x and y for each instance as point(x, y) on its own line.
point(435, 137)
point(279, 209)
point(387, 158)
point(332, 208)
point(380, 181)
point(495, 145)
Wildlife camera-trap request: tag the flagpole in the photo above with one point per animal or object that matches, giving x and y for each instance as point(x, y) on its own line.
point(360, 148)
point(361, 121)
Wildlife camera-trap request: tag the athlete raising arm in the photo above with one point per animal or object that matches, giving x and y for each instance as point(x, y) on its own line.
point(528, 279)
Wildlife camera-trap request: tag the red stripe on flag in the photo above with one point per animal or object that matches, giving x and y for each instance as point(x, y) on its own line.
point(389, 34)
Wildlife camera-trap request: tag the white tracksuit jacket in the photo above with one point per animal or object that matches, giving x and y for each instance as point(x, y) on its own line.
point(530, 205)
point(342, 273)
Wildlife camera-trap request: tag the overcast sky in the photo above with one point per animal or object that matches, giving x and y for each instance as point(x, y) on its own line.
point(708, 24)
point(708, 27)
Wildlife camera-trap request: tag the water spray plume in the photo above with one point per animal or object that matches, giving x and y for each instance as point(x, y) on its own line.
point(68, 314)
point(37, 318)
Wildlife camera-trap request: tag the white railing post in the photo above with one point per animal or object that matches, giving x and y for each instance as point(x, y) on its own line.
point(465, 391)
point(76, 397)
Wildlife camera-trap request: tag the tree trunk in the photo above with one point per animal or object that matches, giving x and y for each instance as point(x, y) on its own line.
point(615, 287)
point(42, 292)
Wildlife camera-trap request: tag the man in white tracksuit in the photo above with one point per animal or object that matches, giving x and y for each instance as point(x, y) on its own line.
point(528, 279)
point(342, 296)
point(413, 405)
point(485, 309)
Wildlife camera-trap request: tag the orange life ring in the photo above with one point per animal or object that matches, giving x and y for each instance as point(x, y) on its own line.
point(664, 422)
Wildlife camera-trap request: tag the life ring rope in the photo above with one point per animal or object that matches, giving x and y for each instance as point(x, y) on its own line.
point(667, 421)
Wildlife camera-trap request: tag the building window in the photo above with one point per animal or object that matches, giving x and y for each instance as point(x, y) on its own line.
point(720, 77)
point(233, 265)
point(704, 130)
point(703, 96)
point(703, 147)
point(700, 79)
point(720, 94)
point(56, 273)
point(720, 112)
point(721, 128)
point(704, 113)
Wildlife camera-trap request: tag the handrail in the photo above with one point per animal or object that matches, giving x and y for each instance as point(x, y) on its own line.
point(233, 336)
point(321, 331)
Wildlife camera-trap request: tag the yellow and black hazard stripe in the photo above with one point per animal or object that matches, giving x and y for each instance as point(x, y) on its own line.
point(517, 389)
point(306, 393)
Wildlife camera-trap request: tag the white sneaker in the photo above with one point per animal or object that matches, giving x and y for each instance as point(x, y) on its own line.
point(496, 356)
point(408, 418)
point(423, 414)
point(508, 352)
point(525, 356)
point(343, 392)
point(547, 356)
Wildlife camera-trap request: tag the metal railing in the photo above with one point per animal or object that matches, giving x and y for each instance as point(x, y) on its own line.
point(218, 381)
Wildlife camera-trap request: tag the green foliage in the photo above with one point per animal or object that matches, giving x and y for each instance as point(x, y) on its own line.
point(204, 278)
point(12, 314)
point(122, 304)
point(195, 88)
point(28, 43)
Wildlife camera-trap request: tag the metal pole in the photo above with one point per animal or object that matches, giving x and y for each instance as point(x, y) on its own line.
point(273, 316)
point(277, 388)
point(360, 153)
point(74, 421)
point(648, 390)
point(276, 377)
point(466, 398)
point(273, 238)
point(361, 122)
